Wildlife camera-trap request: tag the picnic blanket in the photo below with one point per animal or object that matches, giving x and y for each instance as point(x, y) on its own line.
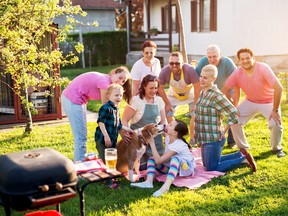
point(192, 182)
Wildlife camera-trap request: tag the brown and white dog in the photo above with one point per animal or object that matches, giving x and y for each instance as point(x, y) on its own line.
point(130, 153)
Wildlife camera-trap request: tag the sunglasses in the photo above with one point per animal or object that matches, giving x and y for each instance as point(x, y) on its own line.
point(151, 78)
point(174, 63)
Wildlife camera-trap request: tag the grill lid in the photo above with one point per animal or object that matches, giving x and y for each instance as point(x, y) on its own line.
point(27, 172)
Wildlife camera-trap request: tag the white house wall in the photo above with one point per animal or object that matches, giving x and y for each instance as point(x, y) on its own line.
point(258, 24)
point(155, 14)
point(105, 18)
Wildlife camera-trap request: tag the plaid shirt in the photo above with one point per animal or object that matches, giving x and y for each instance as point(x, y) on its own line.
point(109, 115)
point(210, 107)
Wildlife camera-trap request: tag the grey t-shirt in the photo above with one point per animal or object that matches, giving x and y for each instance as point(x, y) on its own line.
point(190, 75)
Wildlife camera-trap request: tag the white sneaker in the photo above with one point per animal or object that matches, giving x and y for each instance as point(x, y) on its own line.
point(159, 193)
point(142, 185)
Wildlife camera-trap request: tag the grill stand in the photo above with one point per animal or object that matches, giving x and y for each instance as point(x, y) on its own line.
point(8, 209)
point(40, 203)
point(92, 177)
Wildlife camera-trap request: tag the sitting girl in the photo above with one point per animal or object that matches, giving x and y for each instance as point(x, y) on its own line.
point(177, 158)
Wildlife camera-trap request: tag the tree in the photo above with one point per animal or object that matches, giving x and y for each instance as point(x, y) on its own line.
point(181, 31)
point(136, 15)
point(24, 24)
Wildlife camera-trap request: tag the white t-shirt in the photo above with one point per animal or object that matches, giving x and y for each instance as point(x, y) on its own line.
point(180, 147)
point(138, 105)
point(140, 70)
point(183, 154)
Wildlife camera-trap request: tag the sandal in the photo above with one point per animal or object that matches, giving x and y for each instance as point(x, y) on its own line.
point(114, 186)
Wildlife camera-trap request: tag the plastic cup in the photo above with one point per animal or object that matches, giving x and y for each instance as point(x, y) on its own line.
point(111, 159)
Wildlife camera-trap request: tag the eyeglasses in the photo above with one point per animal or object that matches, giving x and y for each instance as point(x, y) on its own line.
point(174, 63)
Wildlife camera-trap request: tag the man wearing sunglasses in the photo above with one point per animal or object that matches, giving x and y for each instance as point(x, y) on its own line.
point(225, 68)
point(181, 78)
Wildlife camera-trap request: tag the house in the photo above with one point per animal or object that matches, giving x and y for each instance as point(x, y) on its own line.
point(102, 11)
point(232, 24)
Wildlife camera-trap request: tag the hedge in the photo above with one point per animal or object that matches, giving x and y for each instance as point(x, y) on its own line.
point(107, 48)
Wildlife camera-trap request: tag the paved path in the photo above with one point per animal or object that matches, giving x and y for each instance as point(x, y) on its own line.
point(91, 117)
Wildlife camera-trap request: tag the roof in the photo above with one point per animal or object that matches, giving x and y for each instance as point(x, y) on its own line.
point(98, 4)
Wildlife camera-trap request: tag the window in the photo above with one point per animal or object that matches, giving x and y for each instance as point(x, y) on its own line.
point(203, 15)
point(165, 19)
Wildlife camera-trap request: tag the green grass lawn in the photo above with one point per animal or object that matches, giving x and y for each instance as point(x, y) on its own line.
point(239, 192)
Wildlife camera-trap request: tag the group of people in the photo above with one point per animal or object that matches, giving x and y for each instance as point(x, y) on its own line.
point(211, 90)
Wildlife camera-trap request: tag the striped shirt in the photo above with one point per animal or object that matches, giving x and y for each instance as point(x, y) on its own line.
point(210, 108)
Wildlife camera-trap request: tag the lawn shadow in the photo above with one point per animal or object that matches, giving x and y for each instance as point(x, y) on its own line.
point(98, 197)
point(15, 138)
point(264, 155)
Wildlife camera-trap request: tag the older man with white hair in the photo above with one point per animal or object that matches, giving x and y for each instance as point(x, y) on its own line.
point(225, 67)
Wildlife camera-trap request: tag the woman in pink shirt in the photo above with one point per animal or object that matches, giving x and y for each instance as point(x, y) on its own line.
point(89, 86)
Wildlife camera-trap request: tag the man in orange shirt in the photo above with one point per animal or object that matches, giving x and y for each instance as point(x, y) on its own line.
point(263, 95)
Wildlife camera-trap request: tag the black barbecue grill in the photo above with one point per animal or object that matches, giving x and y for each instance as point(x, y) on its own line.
point(36, 178)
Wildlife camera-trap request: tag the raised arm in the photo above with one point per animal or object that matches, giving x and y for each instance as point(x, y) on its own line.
point(278, 89)
point(197, 89)
point(128, 113)
point(135, 86)
point(162, 93)
point(104, 97)
point(160, 159)
point(227, 91)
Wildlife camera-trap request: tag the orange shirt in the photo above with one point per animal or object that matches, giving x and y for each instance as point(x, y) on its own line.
point(258, 87)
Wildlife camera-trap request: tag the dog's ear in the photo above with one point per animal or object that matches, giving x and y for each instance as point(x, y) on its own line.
point(146, 133)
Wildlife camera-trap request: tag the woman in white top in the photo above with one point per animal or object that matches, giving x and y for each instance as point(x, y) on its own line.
point(146, 108)
point(148, 64)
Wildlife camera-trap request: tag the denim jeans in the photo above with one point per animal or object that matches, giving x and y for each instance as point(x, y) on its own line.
point(76, 114)
point(214, 161)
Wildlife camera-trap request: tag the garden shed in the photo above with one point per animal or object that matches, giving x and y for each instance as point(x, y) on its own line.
point(48, 108)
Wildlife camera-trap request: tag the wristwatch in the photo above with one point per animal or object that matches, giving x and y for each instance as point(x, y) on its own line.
point(276, 110)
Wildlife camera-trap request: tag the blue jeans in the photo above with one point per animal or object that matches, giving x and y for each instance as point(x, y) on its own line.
point(214, 161)
point(76, 114)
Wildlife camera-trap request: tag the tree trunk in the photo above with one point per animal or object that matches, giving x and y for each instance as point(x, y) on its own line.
point(181, 31)
point(27, 110)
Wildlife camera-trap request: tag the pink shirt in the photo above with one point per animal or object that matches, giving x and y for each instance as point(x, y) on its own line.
point(258, 87)
point(87, 86)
